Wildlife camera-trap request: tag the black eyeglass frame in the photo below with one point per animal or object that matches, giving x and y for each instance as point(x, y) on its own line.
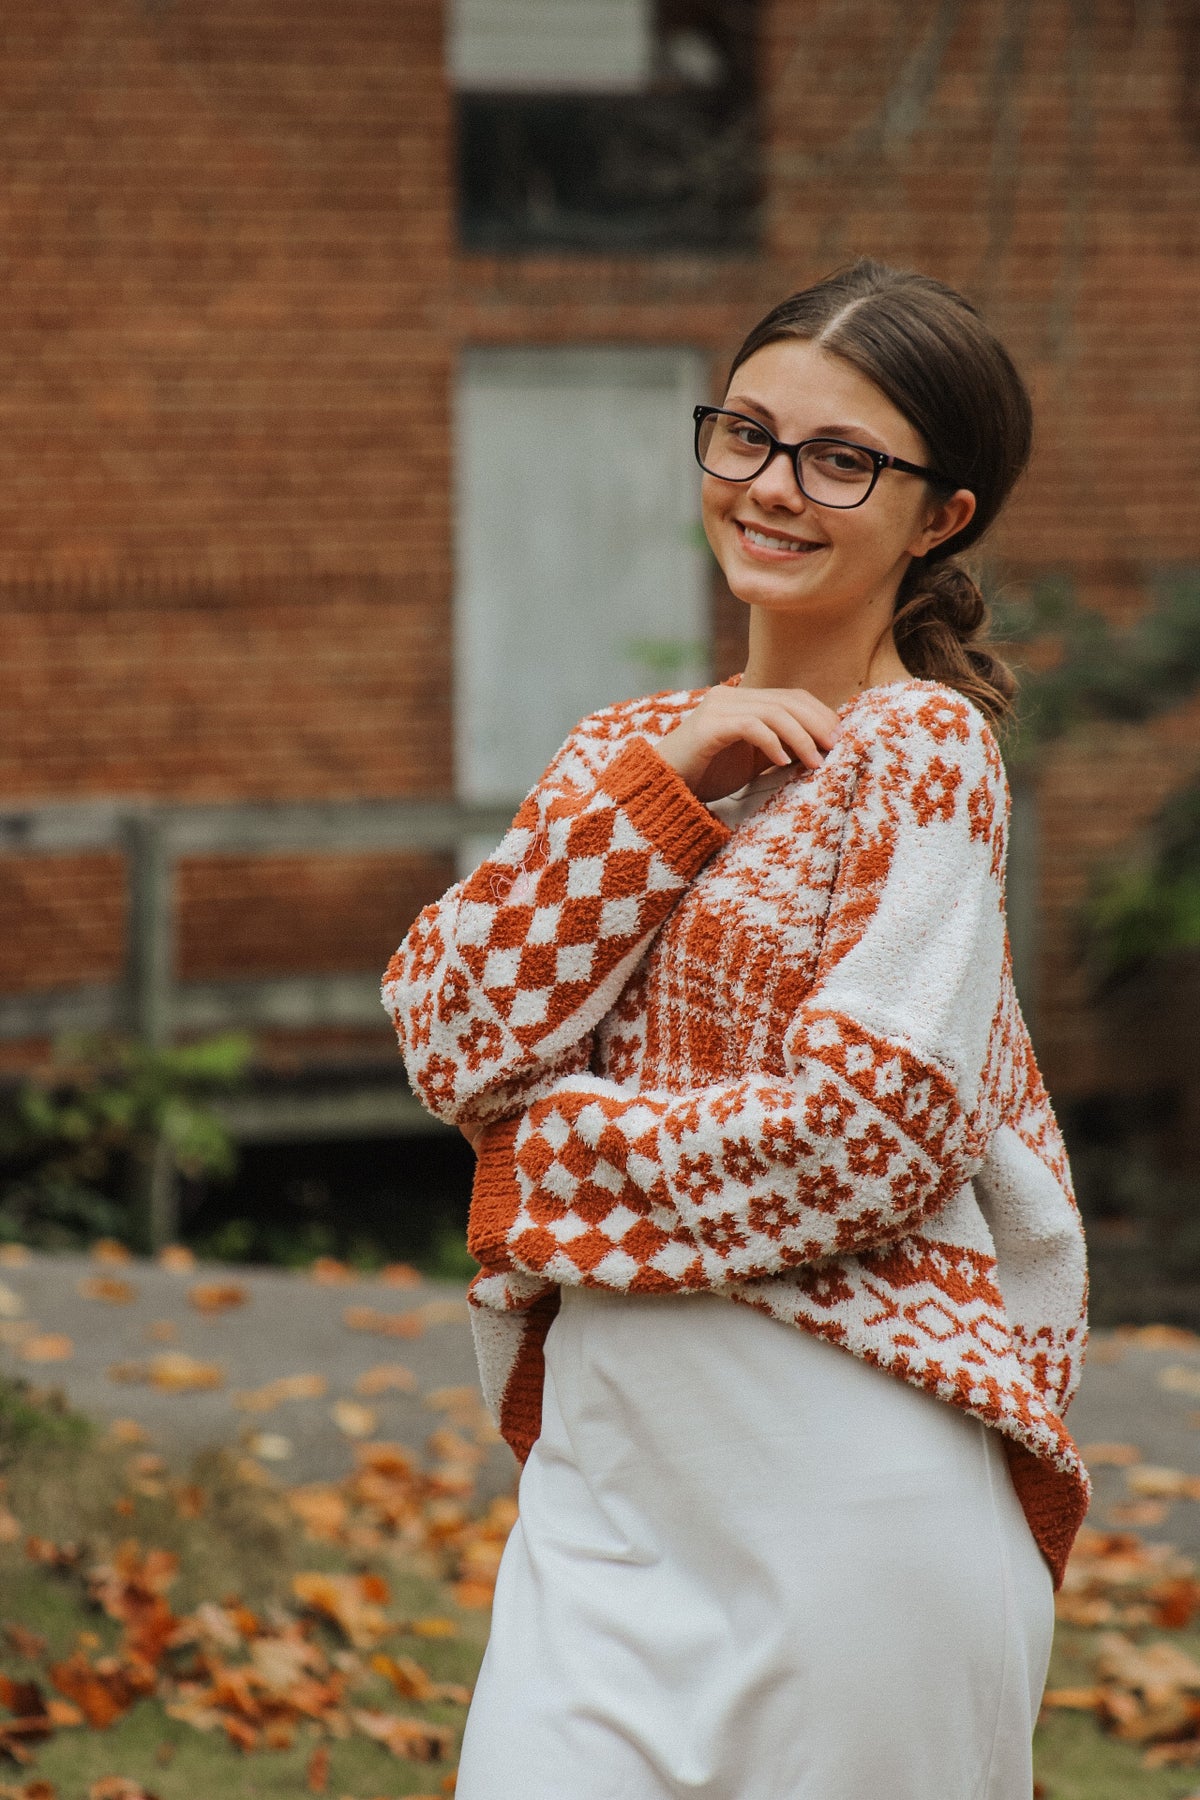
point(880, 458)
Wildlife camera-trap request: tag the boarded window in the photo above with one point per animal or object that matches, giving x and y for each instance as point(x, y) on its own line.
point(581, 575)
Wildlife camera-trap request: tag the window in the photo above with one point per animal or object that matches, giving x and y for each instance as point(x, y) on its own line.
point(580, 572)
point(605, 125)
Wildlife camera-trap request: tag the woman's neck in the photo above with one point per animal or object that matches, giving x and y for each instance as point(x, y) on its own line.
point(786, 652)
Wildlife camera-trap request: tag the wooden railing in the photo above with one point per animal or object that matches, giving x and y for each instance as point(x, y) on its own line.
point(151, 1003)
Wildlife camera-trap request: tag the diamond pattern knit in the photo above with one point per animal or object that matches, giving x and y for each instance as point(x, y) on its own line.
point(784, 1063)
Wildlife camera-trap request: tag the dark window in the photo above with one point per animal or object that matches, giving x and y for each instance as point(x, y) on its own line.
point(671, 166)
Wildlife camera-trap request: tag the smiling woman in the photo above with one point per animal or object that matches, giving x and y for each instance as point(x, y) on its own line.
point(729, 1017)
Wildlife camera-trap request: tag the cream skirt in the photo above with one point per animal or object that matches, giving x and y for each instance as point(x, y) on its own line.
point(748, 1566)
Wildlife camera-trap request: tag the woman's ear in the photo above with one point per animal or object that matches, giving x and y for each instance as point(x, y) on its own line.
point(945, 519)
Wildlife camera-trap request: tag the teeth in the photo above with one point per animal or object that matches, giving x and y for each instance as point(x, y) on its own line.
point(775, 543)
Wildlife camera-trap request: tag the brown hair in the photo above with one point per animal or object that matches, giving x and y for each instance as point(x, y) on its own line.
point(925, 347)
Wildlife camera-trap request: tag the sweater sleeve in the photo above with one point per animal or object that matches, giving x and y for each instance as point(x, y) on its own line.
point(497, 987)
point(883, 1110)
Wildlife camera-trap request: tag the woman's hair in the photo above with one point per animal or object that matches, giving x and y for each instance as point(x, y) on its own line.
point(928, 350)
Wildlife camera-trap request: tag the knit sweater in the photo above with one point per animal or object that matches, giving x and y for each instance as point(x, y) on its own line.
point(784, 1063)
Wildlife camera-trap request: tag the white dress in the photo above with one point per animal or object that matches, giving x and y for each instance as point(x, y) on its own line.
point(749, 1566)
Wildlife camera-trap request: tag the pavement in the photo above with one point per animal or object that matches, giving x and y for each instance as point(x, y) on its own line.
point(295, 1370)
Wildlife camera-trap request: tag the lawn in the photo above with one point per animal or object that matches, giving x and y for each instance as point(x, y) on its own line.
point(221, 1635)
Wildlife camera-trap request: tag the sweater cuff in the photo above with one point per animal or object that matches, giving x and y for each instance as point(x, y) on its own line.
point(663, 808)
point(495, 1196)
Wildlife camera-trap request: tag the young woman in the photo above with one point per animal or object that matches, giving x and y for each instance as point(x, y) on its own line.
point(729, 1017)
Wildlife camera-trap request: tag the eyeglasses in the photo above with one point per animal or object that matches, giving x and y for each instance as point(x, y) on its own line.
point(735, 447)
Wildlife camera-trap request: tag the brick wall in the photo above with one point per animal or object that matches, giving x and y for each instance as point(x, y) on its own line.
point(232, 288)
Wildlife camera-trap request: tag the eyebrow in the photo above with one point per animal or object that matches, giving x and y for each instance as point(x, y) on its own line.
point(854, 433)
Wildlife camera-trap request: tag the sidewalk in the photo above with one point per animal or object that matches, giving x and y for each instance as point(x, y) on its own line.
point(296, 1370)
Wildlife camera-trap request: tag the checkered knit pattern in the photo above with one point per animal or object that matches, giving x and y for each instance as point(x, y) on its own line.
point(784, 1063)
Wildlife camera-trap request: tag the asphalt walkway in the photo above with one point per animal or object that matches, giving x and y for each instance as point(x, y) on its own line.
point(297, 1369)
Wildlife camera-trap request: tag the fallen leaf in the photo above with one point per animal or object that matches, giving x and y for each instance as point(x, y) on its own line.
point(174, 1372)
point(177, 1258)
point(51, 1555)
point(11, 1304)
point(400, 1275)
point(15, 1331)
point(1081, 1699)
point(105, 1690)
point(119, 1787)
point(161, 1331)
point(13, 1256)
point(108, 1250)
point(1162, 1483)
point(1145, 1513)
point(63, 1715)
point(112, 1289)
point(412, 1682)
point(330, 1272)
point(433, 1627)
point(271, 1446)
point(30, 1790)
point(352, 1418)
point(1118, 1456)
point(350, 1601)
point(369, 1318)
point(128, 1431)
point(10, 1527)
point(473, 1595)
point(24, 1642)
point(213, 1297)
point(274, 1393)
point(412, 1739)
point(1179, 1378)
point(48, 1346)
point(385, 1378)
point(317, 1774)
point(322, 1510)
point(1156, 1337)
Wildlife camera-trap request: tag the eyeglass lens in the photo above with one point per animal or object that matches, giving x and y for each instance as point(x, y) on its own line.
point(737, 449)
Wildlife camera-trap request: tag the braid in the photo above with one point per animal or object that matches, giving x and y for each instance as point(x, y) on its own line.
point(940, 627)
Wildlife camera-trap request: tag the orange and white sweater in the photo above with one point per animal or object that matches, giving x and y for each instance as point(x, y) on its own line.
point(783, 1063)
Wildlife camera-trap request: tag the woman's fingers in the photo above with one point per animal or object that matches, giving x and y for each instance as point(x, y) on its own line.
point(784, 725)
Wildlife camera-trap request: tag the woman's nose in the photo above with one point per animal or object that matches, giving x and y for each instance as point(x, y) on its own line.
point(776, 485)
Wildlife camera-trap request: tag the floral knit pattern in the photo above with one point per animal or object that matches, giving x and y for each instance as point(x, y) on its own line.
point(784, 1063)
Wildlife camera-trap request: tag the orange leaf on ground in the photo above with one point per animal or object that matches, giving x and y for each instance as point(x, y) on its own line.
point(1138, 1512)
point(412, 1739)
point(51, 1555)
point(317, 1773)
point(177, 1258)
point(108, 1250)
point(10, 1527)
point(330, 1272)
point(412, 1682)
point(369, 1318)
point(176, 1373)
point(1117, 1456)
point(432, 1627)
point(1081, 1699)
point(400, 1275)
point(161, 1331)
point(111, 1288)
point(24, 1642)
point(63, 1715)
point(285, 1387)
point(119, 1787)
point(352, 1418)
point(473, 1596)
point(46, 1346)
point(385, 1378)
point(1180, 1378)
point(350, 1601)
point(29, 1790)
point(1158, 1483)
point(212, 1297)
point(103, 1690)
point(128, 1431)
point(321, 1509)
point(1157, 1337)
point(13, 1256)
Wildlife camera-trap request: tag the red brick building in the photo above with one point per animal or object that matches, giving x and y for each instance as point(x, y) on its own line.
point(255, 248)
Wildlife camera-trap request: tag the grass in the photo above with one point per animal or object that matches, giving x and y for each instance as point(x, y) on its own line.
point(70, 1485)
point(1074, 1760)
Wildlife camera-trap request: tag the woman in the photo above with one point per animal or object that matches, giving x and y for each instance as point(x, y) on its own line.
point(729, 1016)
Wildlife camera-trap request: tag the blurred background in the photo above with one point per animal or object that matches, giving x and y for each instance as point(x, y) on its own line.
point(346, 367)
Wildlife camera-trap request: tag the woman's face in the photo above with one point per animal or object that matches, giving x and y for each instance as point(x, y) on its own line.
point(784, 552)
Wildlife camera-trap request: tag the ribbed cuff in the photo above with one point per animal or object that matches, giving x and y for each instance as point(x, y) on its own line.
point(663, 808)
point(495, 1196)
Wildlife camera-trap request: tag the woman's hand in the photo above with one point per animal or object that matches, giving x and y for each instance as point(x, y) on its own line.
point(737, 732)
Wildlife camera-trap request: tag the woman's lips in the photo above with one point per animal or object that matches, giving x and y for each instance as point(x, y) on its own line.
point(758, 542)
